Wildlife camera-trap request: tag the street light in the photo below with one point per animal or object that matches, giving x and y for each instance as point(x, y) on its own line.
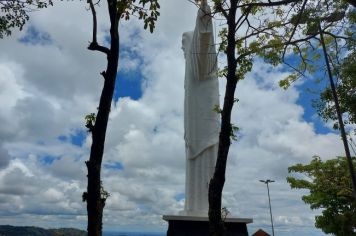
point(267, 181)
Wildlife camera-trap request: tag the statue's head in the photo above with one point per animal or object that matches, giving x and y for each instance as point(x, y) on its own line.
point(187, 39)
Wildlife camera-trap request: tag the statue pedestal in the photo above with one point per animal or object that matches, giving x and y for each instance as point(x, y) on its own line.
point(179, 225)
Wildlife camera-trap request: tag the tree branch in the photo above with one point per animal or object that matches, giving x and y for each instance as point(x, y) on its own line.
point(243, 15)
point(338, 36)
point(269, 3)
point(296, 25)
point(94, 46)
point(250, 52)
point(220, 9)
point(92, 8)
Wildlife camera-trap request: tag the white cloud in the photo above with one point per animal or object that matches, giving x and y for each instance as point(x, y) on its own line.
point(47, 90)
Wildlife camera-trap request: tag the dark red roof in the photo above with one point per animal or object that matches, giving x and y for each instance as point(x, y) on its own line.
point(260, 232)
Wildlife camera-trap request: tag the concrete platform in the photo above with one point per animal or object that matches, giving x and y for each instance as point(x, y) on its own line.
point(180, 225)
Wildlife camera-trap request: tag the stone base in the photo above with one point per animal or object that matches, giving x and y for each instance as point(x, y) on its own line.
point(199, 226)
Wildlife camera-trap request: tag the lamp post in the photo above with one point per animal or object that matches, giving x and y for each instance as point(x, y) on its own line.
point(267, 181)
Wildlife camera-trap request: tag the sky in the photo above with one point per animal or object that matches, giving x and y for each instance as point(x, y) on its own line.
point(49, 82)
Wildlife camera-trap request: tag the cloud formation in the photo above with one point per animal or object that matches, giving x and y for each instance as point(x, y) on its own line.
point(47, 89)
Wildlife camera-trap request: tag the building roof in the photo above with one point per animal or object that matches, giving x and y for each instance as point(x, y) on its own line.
point(260, 232)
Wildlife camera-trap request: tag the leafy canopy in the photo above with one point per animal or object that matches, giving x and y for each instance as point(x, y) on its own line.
point(330, 189)
point(286, 32)
point(146, 10)
point(335, 20)
point(346, 91)
point(14, 13)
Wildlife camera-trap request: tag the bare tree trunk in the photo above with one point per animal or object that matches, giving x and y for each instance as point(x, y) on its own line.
point(216, 184)
point(94, 196)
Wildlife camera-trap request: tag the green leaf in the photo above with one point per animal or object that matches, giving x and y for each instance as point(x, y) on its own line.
point(329, 186)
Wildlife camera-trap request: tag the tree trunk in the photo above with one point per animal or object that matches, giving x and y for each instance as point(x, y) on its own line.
point(94, 198)
point(216, 184)
point(339, 115)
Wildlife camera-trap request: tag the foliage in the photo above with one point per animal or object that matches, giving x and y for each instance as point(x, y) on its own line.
point(149, 14)
point(346, 91)
point(14, 13)
point(330, 189)
point(281, 31)
point(336, 20)
point(225, 212)
point(90, 121)
point(234, 130)
point(290, 36)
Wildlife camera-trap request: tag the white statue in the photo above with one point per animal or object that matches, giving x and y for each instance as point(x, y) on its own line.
point(201, 122)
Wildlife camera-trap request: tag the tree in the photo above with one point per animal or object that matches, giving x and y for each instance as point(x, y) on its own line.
point(346, 92)
point(337, 35)
point(330, 189)
point(97, 124)
point(14, 13)
point(260, 38)
point(271, 30)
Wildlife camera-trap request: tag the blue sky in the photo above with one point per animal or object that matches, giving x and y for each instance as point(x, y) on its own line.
point(129, 82)
point(129, 85)
point(309, 92)
point(50, 81)
point(34, 36)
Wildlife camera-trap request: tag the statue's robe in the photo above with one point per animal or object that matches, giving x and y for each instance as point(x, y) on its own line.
point(201, 122)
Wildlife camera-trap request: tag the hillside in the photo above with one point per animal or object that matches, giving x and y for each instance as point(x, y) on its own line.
point(8, 230)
